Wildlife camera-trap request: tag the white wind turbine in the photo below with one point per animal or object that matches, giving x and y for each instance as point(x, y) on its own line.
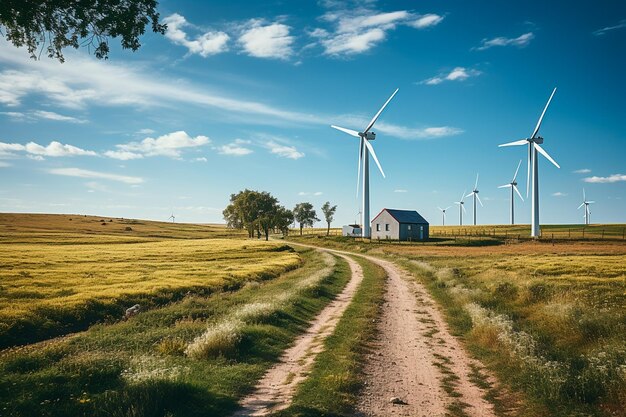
point(365, 149)
point(587, 211)
point(513, 186)
point(461, 206)
point(172, 217)
point(475, 194)
point(443, 214)
point(533, 143)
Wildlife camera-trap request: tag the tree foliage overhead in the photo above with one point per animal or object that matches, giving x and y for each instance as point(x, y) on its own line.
point(257, 212)
point(305, 215)
point(56, 24)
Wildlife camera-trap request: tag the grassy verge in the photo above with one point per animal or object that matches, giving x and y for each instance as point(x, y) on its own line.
point(145, 367)
point(332, 387)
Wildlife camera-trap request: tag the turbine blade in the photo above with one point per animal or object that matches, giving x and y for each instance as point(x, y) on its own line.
point(358, 175)
point(463, 206)
point(518, 165)
point(348, 131)
point(505, 186)
point(439, 208)
point(469, 195)
point(448, 207)
point(476, 183)
point(463, 195)
point(518, 193)
point(530, 157)
point(590, 202)
point(369, 126)
point(516, 143)
point(478, 198)
point(542, 114)
point(456, 202)
point(584, 197)
point(580, 206)
point(371, 149)
point(544, 153)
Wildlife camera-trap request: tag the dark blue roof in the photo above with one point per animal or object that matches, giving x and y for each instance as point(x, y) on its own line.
point(405, 216)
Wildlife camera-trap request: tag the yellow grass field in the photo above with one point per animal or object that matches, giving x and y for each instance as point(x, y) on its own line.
point(57, 275)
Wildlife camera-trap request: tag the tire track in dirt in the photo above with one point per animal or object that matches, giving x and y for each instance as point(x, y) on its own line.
point(276, 389)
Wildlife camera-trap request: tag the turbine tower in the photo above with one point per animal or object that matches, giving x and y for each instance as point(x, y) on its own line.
point(513, 186)
point(461, 206)
point(533, 143)
point(443, 214)
point(475, 194)
point(365, 149)
point(587, 211)
point(172, 217)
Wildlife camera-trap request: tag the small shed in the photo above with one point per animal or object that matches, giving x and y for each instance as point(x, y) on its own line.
point(352, 230)
point(396, 224)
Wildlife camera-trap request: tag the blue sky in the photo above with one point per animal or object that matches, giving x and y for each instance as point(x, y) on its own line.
point(241, 95)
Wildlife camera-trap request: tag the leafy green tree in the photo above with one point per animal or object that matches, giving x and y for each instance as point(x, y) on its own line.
point(283, 219)
point(258, 212)
point(329, 213)
point(305, 215)
point(56, 24)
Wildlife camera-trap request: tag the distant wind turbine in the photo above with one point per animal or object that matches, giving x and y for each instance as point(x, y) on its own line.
point(461, 206)
point(365, 149)
point(587, 211)
point(443, 214)
point(513, 186)
point(475, 194)
point(172, 217)
point(533, 143)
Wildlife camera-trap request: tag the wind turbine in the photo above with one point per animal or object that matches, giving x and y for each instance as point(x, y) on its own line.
point(443, 214)
point(587, 211)
point(365, 149)
point(533, 143)
point(461, 206)
point(513, 186)
point(475, 194)
point(172, 217)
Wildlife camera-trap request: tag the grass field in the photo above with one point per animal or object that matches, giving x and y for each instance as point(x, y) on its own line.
point(195, 357)
point(548, 319)
point(49, 288)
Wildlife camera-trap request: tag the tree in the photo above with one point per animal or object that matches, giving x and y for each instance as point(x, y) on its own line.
point(256, 212)
point(57, 24)
point(329, 212)
point(283, 218)
point(305, 215)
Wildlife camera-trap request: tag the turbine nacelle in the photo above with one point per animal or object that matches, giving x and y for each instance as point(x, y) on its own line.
point(368, 135)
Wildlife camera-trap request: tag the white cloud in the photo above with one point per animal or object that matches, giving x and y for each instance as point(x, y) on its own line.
point(417, 133)
point(169, 145)
point(123, 155)
point(559, 194)
point(400, 191)
point(582, 171)
point(208, 43)
point(96, 186)
point(200, 159)
point(36, 157)
point(267, 40)
point(521, 41)
point(318, 193)
point(606, 180)
point(4, 164)
point(235, 148)
point(54, 149)
point(283, 150)
point(41, 114)
point(146, 131)
point(305, 193)
point(426, 21)
point(83, 173)
point(457, 74)
point(620, 25)
point(358, 31)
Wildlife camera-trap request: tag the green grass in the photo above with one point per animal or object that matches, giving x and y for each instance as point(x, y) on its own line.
point(140, 367)
point(335, 380)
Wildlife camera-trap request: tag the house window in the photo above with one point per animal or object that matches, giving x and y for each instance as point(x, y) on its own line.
point(386, 227)
point(408, 227)
point(378, 227)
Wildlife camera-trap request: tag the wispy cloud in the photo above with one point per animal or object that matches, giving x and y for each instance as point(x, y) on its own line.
point(41, 114)
point(305, 193)
point(457, 74)
point(54, 149)
point(146, 131)
point(4, 164)
point(559, 194)
point(235, 148)
point(83, 173)
point(620, 25)
point(205, 44)
point(606, 180)
point(521, 41)
point(358, 31)
point(263, 40)
point(170, 145)
point(582, 171)
point(283, 151)
point(400, 191)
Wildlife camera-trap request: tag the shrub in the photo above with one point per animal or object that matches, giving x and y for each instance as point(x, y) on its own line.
point(219, 339)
